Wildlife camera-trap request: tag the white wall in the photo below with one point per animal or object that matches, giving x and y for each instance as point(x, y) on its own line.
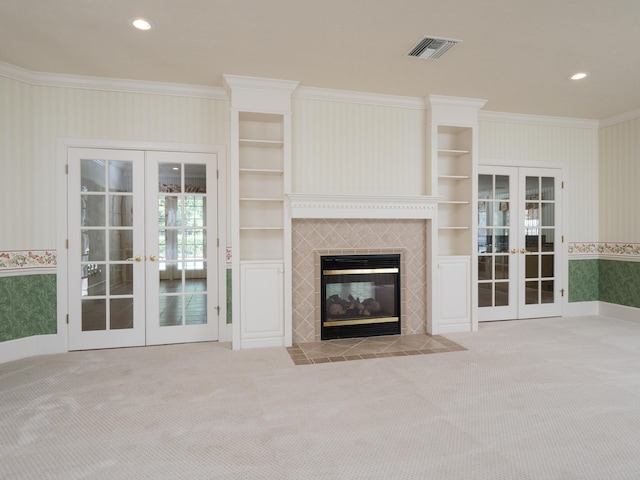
point(619, 176)
point(544, 141)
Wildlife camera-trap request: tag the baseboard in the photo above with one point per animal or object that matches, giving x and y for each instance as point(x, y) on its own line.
point(581, 309)
point(262, 342)
point(454, 328)
point(31, 346)
point(622, 312)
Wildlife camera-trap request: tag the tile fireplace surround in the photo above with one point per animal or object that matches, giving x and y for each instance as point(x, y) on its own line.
point(352, 225)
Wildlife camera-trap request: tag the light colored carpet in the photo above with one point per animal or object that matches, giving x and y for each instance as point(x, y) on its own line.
point(537, 399)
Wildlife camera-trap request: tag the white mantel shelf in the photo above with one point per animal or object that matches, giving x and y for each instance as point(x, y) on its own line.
point(362, 206)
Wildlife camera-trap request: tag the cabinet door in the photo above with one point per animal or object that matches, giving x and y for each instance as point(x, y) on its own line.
point(261, 310)
point(455, 298)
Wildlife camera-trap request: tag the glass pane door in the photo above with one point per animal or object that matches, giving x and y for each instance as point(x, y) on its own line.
point(181, 242)
point(497, 237)
point(539, 291)
point(519, 267)
point(106, 249)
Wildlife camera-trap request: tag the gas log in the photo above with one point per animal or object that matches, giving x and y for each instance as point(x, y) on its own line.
point(338, 307)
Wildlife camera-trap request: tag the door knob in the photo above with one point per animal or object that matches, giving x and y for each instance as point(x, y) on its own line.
point(153, 258)
point(523, 250)
point(513, 250)
point(137, 258)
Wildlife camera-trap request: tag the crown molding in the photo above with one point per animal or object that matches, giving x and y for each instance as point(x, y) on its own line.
point(361, 98)
point(454, 102)
point(486, 116)
point(42, 79)
point(623, 117)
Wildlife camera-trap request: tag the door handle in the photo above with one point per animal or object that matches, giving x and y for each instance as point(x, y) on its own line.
point(513, 250)
point(154, 258)
point(523, 250)
point(137, 258)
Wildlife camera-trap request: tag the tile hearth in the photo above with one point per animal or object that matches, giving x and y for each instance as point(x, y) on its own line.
point(345, 349)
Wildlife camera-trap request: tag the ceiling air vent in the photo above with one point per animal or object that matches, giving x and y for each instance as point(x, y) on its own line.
point(432, 48)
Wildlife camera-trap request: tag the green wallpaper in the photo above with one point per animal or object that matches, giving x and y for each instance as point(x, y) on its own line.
point(583, 280)
point(612, 281)
point(619, 282)
point(228, 295)
point(27, 306)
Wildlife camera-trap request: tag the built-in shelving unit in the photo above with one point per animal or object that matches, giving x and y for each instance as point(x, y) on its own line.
point(455, 173)
point(261, 186)
point(261, 227)
point(452, 125)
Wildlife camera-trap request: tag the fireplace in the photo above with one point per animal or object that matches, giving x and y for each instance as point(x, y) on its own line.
point(360, 295)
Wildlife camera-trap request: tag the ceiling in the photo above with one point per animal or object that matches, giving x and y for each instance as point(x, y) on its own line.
point(517, 54)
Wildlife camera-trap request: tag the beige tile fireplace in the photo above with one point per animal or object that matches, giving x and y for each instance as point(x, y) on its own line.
point(350, 225)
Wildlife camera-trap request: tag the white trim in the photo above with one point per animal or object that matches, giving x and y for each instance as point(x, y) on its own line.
point(31, 346)
point(19, 272)
point(488, 116)
point(362, 206)
point(501, 162)
point(363, 98)
point(621, 312)
point(85, 82)
point(581, 309)
point(623, 117)
point(63, 144)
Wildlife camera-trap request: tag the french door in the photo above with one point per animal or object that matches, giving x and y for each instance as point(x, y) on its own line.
point(519, 243)
point(142, 262)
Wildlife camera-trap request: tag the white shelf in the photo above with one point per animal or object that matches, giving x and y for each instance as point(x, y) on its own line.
point(452, 153)
point(261, 199)
point(251, 142)
point(262, 171)
point(261, 228)
point(454, 177)
point(454, 228)
point(454, 202)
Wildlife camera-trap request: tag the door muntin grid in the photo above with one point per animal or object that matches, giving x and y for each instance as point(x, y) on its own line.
point(494, 233)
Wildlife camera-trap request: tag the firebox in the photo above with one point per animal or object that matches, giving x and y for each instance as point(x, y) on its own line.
point(360, 295)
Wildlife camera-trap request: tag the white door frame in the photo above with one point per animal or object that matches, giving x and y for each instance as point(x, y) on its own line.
point(62, 282)
point(563, 249)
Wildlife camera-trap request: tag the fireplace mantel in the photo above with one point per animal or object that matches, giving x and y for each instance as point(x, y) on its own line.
point(362, 206)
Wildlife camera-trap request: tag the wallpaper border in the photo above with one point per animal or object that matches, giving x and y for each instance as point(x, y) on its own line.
point(630, 251)
point(25, 260)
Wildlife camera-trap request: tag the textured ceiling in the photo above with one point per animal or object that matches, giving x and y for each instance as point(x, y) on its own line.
point(516, 54)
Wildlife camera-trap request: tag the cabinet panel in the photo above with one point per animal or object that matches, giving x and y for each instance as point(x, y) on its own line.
point(262, 301)
point(455, 298)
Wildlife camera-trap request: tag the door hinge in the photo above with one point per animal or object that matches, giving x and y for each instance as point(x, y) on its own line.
point(66, 242)
point(217, 173)
point(562, 292)
point(67, 319)
point(562, 184)
point(562, 238)
point(66, 168)
point(218, 310)
point(218, 242)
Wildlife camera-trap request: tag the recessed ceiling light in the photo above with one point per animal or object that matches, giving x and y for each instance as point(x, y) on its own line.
point(579, 76)
point(141, 23)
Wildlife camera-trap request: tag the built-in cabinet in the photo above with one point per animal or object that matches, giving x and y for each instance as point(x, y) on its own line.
point(452, 146)
point(261, 226)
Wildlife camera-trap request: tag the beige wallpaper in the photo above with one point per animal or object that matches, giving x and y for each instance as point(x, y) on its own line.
point(344, 148)
point(34, 117)
point(574, 146)
point(619, 177)
point(338, 147)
